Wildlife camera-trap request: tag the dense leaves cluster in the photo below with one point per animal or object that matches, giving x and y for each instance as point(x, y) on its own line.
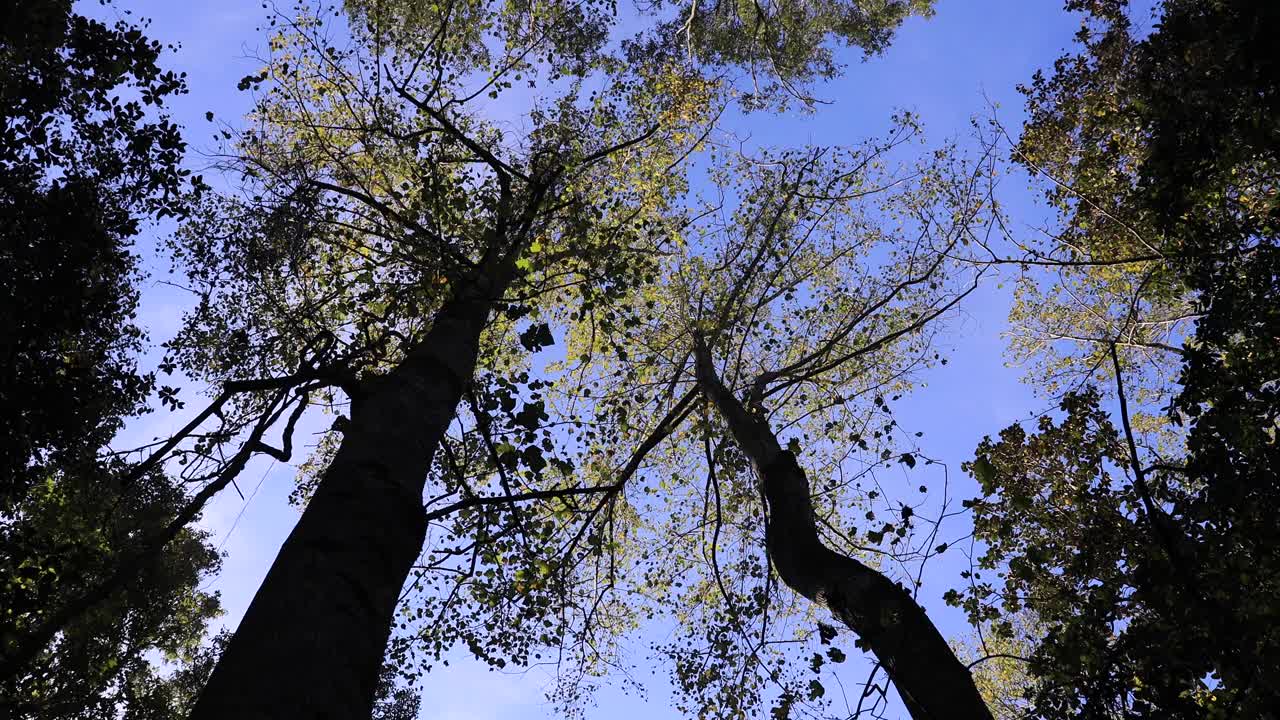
point(1067, 538)
point(85, 157)
point(1165, 149)
point(783, 45)
point(78, 165)
point(73, 531)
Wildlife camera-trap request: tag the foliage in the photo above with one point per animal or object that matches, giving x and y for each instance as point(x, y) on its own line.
point(393, 702)
point(364, 208)
point(85, 157)
point(71, 532)
point(1068, 540)
point(775, 49)
point(153, 696)
point(794, 256)
point(783, 45)
point(1165, 151)
point(69, 332)
point(998, 659)
point(77, 168)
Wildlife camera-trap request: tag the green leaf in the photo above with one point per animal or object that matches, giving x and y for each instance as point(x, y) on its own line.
point(984, 472)
point(537, 337)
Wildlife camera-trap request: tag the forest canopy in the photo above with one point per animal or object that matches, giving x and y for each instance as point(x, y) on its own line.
point(568, 371)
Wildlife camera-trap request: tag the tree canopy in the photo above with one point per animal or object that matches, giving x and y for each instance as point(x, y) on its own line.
point(393, 240)
point(1147, 554)
point(86, 157)
point(595, 384)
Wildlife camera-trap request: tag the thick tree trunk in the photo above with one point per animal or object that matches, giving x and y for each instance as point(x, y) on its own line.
point(931, 680)
point(311, 643)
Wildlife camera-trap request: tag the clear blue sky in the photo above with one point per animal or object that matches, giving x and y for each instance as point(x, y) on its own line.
point(940, 68)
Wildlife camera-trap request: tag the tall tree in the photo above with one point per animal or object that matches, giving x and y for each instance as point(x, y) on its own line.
point(79, 173)
point(931, 680)
point(1162, 151)
point(821, 346)
point(392, 223)
point(646, 510)
point(80, 170)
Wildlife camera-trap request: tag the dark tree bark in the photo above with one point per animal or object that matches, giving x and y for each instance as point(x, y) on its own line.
point(931, 680)
point(311, 644)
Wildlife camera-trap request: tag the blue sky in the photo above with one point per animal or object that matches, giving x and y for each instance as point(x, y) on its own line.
point(944, 69)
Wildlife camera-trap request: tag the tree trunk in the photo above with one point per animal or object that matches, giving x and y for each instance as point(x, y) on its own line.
point(311, 644)
point(932, 682)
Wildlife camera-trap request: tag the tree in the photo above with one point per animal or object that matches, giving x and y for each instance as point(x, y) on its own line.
point(80, 169)
point(78, 172)
point(391, 187)
point(998, 661)
point(824, 354)
point(647, 512)
point(783, 47)
point(390, 225)
point(389, 203)
point(1162, 158)
point(885, 616)
point(72, 532)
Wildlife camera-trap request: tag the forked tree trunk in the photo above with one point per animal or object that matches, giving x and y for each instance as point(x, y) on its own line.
point(311, 643)
point(931, 680)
